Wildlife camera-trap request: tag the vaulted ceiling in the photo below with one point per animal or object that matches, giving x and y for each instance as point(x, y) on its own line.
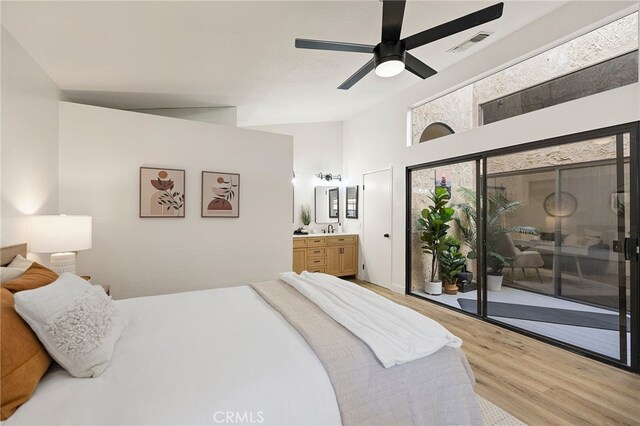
point(235, 53)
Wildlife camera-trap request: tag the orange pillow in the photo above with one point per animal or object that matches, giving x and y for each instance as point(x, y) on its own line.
point(23, 359)
point(34, 277)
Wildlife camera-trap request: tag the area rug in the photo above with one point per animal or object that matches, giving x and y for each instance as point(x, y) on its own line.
point(544, 314)
point(492, 415)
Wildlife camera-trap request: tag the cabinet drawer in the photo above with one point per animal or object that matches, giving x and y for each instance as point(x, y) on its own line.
point(316, 261)
point(316, 252)
point(299, 242)
point(316, 242)
point(316, 269)
point(347, 239)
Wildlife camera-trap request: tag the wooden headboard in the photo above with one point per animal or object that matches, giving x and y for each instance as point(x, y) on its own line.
point(8, 253)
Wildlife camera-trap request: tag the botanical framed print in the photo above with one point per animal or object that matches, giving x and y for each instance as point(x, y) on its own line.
point(161, 192)
point(220, 194)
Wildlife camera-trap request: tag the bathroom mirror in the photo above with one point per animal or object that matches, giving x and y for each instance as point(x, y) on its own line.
point(327, 205)
point(352, 202)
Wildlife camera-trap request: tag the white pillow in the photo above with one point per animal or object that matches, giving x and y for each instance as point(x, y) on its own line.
point(20, 263)
point(8, 274)
point(76, 322)
point(15, 269)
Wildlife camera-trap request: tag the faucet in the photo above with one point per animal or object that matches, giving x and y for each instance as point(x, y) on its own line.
point(330, 229)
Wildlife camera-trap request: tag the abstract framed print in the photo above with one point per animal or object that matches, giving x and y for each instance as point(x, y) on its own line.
point(220, 194)
point(161, 192)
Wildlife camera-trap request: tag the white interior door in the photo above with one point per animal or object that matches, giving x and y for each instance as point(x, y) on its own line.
point(377, 211)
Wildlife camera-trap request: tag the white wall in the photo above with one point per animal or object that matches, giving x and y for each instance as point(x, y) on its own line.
point(29, 147)
point(226, 116)
point(101, 151)
point(317, 147)
point(377, 137)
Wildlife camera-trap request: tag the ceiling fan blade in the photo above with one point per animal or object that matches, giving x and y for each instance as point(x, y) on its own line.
point(418, 67)
point(471, 20)
point(357, 76)
point(303, 43)
point(392, 14)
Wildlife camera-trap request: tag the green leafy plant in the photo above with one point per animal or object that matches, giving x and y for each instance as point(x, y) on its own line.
point(452, 262)
point(305, 215)
point(434, 226)
point(466, 218)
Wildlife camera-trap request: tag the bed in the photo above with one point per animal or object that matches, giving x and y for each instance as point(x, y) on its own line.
point(228, 356)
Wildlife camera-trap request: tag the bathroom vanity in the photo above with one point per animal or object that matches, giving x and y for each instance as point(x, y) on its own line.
point(334, 254)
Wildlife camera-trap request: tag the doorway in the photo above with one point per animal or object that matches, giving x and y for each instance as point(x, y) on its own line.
point(377, 222)
point(550, 232)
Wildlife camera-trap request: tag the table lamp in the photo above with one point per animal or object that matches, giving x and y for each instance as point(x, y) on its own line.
point(61, 235)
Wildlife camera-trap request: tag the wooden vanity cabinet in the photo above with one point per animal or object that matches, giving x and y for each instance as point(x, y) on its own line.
point(334, 255)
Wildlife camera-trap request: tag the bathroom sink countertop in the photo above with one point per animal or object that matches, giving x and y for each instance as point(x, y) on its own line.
point(335, 234)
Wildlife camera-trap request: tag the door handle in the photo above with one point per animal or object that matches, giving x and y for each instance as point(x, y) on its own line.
point(386, 235)
point(630, 248)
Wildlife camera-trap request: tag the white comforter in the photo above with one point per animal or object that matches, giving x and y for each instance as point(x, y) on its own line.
point(194, 358)
point(395, 334)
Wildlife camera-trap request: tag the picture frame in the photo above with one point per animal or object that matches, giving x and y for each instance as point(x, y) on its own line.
point(162, 193)
point(220, 195)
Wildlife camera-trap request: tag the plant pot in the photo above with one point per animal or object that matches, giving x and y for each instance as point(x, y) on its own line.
point(451, 288)
point(433, 287)
point(494, 282)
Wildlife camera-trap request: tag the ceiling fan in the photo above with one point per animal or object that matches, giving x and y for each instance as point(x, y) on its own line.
point(390, 56)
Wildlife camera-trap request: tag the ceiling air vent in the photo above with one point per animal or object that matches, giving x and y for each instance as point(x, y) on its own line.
point(467, 44)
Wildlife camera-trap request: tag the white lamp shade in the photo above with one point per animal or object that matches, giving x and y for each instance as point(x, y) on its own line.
point(60, 233)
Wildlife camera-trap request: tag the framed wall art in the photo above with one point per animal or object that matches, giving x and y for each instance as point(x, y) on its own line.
point(220, 194)
point(161, 192)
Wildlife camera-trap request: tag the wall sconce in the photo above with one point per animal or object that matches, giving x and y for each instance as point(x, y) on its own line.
point(293, 179)
point(329, 177)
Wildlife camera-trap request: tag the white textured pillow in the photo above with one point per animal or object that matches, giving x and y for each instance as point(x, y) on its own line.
point(76, 322)
point(20, 262)
point(8, 274)
point(15, 269)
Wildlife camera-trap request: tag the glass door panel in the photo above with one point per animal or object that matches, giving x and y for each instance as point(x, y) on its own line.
point(557, 219)
point(461, 181)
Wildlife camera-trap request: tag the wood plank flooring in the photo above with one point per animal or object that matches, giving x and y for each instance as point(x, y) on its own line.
point(536, 382)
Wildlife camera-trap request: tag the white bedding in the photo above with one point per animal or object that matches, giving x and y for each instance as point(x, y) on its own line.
point(194, 358)
point(395, 333)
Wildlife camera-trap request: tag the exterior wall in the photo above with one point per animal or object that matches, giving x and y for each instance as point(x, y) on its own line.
point(460, 110)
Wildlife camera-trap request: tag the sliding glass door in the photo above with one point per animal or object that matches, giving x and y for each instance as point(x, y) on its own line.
point(559, 216)
point(556, 252)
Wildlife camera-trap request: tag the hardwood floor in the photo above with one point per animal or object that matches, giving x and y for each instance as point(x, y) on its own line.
point(536, 382)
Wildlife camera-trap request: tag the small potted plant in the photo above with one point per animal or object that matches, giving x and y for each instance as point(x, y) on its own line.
point(305, 217)
point(452, 262)
point(434, 226)
point(495, 264)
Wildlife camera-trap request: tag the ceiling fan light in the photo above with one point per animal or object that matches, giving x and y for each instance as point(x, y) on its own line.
point(389, 68)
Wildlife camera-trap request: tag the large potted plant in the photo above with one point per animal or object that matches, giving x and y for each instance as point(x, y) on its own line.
point(434, 226)
point(452, 262)
point(499, 205)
